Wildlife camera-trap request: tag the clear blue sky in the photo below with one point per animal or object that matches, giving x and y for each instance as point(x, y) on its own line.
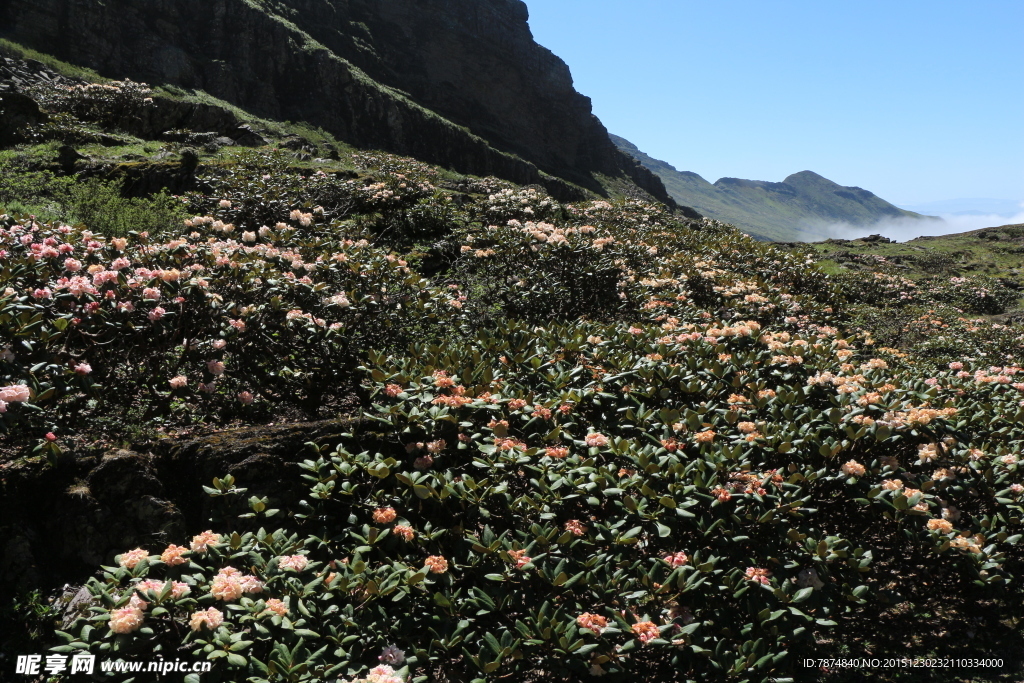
point(915, 101)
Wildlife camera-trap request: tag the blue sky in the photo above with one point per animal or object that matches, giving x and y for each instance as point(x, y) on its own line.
point(915, 101)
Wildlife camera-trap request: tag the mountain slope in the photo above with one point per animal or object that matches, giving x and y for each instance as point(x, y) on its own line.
point(460, 83)
point(798, 208)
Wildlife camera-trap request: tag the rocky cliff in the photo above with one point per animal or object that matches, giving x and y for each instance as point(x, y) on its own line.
point(454, 82)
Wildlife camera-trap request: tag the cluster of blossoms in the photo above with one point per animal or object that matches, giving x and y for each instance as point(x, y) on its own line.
point(230, 584)
point(757, 575)
point(383, 673)
point(437, 564)
point(593, 622)
point(646, 631)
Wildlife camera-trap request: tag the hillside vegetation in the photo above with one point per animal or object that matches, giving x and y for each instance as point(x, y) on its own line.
point(801, 207)
point(584, 437)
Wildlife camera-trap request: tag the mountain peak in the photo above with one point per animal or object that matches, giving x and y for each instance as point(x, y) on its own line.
point(798, 208)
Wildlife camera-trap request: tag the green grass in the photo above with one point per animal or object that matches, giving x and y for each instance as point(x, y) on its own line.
point(995, 252)
point(18, 51)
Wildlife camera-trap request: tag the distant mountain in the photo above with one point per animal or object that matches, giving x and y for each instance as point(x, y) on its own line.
point(797, 209)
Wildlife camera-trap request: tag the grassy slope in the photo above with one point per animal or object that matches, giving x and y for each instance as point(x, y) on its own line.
point(995, 252)
point(776, 211)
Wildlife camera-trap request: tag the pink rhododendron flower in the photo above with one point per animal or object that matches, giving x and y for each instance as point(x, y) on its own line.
point(295, 563)
point(575, 527)
point(392, 655)
point(154, 315)
point(677, 559)
point(596, 439)
point(594, 622)
point(245, 398)
point(178, 381)
point(646, 631)
point(83, 369)
point(757, 575)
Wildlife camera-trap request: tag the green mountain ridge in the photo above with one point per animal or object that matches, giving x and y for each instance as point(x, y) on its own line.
point(798, 209)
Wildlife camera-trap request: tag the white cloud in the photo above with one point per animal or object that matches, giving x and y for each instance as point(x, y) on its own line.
point(904, 229)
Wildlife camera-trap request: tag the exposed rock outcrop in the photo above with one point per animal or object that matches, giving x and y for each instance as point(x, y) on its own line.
point(100, 505)
point(458, 82)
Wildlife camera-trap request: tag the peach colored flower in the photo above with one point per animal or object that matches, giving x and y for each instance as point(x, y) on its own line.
point(172, 556)
point(294, 562)
point(854, 469)
point(226, 588)
point(706, 436)
point(941, 525)
point(384, 515)
point(202, 542)
point(437, 564)
point(215, 367)
point(277, 607)
point(245, 398)
point(251, 584)
point(594, 622)
point(132, 558)
point(211, 618)
point(393, 390)
point(125, 620)
point(646, 631)
point(557, 452)
point(721, 494)
point(519, 557)
point(405, 531)
point(596, 439)
point(178, 381)
point(575, 527)
point(179, 590)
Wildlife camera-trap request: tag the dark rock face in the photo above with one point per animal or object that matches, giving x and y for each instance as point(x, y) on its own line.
point(455, 82)
point(16, 112)
point(99, 506)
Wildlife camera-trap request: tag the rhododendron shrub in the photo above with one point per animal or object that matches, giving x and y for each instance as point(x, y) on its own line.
point(825, 479)
point(197, 318)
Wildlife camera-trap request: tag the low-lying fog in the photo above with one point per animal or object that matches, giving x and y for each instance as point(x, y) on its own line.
point(904, 229)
